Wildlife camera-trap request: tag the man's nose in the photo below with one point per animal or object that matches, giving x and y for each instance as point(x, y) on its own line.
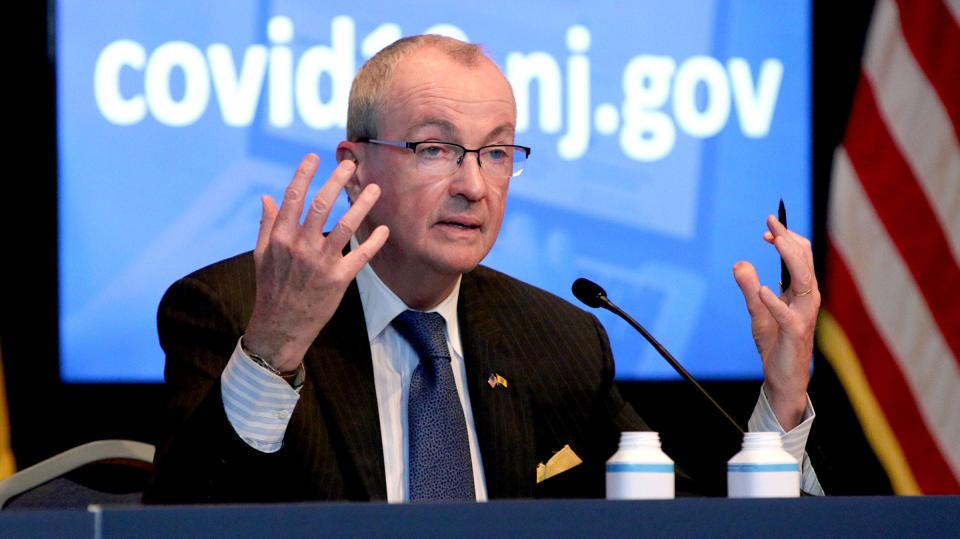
point(469, 181)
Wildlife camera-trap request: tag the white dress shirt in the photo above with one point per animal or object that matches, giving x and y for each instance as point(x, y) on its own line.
point(393, 363)
point(259, 404)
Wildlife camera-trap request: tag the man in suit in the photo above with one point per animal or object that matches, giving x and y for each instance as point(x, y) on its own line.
point(302, 371)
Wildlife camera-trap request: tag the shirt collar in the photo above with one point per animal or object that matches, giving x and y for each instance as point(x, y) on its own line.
point(381, 305)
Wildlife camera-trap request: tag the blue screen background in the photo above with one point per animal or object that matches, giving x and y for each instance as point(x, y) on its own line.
point(146, 202)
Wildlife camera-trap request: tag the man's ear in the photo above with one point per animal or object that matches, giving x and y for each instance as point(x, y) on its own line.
point(346, 152)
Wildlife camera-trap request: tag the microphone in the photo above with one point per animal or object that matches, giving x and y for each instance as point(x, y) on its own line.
point(592, 295)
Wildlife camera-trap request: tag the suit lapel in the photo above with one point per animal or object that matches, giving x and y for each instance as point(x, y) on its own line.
point(501, 414)
point(341, 369)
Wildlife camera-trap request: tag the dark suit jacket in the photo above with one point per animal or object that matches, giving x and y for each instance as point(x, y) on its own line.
point(556, 359)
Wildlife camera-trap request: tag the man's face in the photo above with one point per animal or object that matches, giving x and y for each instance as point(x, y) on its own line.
point(439, 227)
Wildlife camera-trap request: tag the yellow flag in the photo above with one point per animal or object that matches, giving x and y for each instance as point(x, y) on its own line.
point(7, 465)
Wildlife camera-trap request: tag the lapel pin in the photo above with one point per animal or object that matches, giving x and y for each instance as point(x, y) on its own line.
point(496, 380)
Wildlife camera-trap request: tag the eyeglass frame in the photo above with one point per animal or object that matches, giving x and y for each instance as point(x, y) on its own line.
point(412, 146)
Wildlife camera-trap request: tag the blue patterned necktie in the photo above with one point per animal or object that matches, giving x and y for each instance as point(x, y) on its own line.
point(440, 466)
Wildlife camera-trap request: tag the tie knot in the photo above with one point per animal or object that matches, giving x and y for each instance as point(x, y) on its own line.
point(425, 333)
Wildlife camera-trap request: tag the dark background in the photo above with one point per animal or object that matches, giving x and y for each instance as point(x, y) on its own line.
point(48, 417)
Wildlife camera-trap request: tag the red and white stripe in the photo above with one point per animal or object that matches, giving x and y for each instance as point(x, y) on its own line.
point(893, 267)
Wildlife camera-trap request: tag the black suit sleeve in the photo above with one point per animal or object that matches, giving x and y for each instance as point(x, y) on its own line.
point(201, 459)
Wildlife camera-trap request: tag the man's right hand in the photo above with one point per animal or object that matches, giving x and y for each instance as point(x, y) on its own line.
point(302, 274)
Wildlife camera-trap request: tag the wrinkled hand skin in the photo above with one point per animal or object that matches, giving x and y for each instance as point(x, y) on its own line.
point(783, 326)
point(302, 275)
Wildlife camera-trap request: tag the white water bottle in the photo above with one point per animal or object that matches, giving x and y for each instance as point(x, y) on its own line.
point(639, 470)
point(763, 469)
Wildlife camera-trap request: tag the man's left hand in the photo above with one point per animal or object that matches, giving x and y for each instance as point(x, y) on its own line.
point(783, 326)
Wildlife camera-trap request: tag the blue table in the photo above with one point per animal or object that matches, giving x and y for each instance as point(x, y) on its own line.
point(831, 516)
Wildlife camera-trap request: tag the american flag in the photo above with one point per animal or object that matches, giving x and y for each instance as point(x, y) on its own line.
point(891, 319)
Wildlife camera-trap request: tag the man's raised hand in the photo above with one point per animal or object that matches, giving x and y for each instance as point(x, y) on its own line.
point(302, 274)
point(783, 326)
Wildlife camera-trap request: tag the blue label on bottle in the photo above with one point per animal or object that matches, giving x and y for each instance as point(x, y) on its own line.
point(762, 468)
point(648, 468)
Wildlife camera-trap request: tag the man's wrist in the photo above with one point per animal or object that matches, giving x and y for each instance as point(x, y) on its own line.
point(294, 377)
point(788, 407)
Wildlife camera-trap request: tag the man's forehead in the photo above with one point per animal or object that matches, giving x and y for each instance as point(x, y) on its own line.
point(444, 126)
point(430, 69)
point(448, 130)
point(428, 89)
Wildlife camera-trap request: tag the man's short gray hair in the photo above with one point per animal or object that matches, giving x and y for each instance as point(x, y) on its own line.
point(369, 87)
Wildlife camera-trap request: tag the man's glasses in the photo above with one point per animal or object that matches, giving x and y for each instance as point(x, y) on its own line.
point(434, 158)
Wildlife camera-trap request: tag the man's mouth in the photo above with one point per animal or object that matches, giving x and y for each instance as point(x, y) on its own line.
point(461, 225)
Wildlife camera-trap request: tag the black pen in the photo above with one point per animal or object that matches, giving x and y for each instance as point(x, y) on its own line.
point(784, 272)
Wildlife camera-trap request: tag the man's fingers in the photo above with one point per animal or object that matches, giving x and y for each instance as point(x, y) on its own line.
point(356, 258)
point(797, 254)
point(798, 263)
point(804, 244)
point(776, 307)
point(774, 224)
point(802, 241)
point(746, 276)
point(268, 215)
point(775, 227)
point(341, 233)
point(326, 197)
point(292, 206)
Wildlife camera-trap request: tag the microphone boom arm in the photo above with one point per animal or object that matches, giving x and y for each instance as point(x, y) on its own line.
point(593, 296)
point(607, 304)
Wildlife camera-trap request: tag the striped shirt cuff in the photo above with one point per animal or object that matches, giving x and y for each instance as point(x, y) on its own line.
point(794, 442)
point(257, 402)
